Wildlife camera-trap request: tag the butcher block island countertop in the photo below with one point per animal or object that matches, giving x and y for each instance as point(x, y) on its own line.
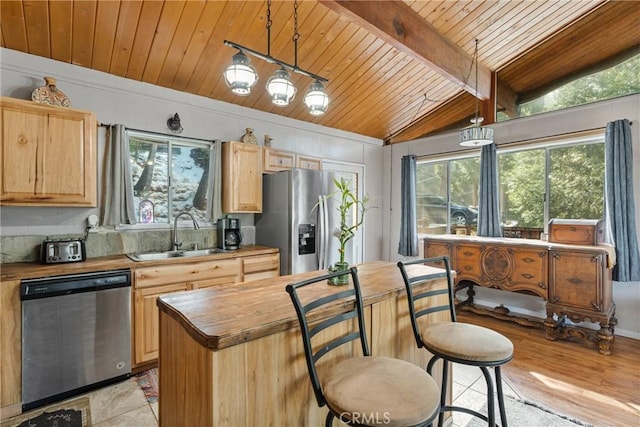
point(233, 355)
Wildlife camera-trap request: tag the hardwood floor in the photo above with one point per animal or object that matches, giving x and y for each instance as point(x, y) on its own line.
point(571, 377)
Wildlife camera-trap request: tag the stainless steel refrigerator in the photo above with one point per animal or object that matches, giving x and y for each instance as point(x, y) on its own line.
point(299, 220)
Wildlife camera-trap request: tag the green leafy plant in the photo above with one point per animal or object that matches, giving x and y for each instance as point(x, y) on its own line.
point(348, 204)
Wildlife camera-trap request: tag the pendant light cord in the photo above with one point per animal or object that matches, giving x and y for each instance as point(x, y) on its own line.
point(296, 34)
point(474, 60)
point(475, 55)
point(269, 23)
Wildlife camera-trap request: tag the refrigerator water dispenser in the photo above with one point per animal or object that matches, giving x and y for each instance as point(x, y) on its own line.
point(306, 239)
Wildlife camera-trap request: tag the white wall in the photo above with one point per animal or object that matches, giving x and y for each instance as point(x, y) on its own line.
point(147, 107)
point(597, 115)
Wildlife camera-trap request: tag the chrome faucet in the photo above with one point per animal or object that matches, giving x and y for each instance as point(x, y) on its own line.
point(176, 244)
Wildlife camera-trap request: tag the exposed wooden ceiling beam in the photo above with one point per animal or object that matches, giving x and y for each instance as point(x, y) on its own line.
point(403, 28)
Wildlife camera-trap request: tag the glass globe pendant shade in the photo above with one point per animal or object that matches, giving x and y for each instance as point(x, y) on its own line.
point(280, 88)
point(476, 135)
point(240, 76)
point(316, 99)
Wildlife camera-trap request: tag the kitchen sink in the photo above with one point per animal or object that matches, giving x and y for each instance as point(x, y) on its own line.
point(204, 252)
point(155, 256)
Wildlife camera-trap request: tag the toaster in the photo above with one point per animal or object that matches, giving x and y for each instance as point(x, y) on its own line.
point(62, 250)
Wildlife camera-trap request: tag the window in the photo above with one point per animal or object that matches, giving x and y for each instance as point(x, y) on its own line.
point(537, 182)
point(619, 80)
point(447, 194)
point(170, 175)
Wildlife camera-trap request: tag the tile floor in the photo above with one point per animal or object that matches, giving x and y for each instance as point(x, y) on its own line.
point(124, 405)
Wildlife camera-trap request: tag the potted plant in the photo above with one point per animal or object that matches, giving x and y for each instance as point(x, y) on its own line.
point(349, 205)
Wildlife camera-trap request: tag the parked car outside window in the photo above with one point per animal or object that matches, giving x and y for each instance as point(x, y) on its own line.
point(433, 209)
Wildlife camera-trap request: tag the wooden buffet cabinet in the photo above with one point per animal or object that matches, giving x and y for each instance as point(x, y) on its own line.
point(574, 280)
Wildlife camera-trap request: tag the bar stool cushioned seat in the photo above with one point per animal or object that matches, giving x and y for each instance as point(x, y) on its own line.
point(451, 341)
point(364, 385)
point(463, 341)
point(357, 388)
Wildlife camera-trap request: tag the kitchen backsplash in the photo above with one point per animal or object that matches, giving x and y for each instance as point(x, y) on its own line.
point(112, 242)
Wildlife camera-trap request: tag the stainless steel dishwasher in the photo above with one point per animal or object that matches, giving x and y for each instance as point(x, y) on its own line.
point(76, 334)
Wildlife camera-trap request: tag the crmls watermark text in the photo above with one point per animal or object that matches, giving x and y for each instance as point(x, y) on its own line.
point(372, 418)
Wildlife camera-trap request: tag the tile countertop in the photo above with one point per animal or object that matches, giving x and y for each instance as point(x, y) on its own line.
point(28, 270)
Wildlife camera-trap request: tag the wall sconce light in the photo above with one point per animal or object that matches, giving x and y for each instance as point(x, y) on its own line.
point(174, 124)
point(240, 76)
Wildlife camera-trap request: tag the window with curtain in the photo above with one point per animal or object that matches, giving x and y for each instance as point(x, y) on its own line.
point(170, 175)
point(538, 181)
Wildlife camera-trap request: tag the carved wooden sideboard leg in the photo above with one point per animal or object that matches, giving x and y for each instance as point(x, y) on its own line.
point(470, 294)
point(551, 326)
point(605, 339)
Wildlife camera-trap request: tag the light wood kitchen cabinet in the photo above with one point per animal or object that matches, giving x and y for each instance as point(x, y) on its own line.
point(280, 160)
point(241, 177)
point(308, 162)
point(47, 155)
point(151, 282)
point(146, 327)
point(10, 343)
point(277, 160)
point(260, 267)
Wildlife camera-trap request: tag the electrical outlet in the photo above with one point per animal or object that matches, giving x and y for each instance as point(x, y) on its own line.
point(92, 224)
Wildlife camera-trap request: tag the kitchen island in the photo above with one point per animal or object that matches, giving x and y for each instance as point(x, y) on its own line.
point(233, 355)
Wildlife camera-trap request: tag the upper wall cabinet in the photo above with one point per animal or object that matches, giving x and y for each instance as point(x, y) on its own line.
point(279, 160)
point(241, 177)
point(47, 155)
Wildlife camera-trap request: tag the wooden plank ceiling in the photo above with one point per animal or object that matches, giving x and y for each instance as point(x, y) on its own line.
point(397, 70)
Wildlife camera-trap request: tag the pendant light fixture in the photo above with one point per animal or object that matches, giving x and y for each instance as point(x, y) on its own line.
point(316, 99)
point(241, 76)
point(476, 135)
point(280, 88)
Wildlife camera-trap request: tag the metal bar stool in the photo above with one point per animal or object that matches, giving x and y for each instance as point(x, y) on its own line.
point(357, 390)
point(453, 341)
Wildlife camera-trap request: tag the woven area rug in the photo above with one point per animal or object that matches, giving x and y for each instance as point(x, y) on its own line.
point(528, 414)
point(73, 413)
point(148, 382)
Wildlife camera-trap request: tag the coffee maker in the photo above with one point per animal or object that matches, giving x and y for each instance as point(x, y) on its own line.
point(229, 236)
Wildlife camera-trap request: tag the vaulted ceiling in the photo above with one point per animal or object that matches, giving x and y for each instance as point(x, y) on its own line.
point(397, 70)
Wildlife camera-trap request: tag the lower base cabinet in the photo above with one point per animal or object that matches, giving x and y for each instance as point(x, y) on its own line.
point(10, 343)
point(151, 282)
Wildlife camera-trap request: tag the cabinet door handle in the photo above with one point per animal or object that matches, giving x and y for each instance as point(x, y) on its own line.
point(575, 281)
point(527, 275)
point(528, 260)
